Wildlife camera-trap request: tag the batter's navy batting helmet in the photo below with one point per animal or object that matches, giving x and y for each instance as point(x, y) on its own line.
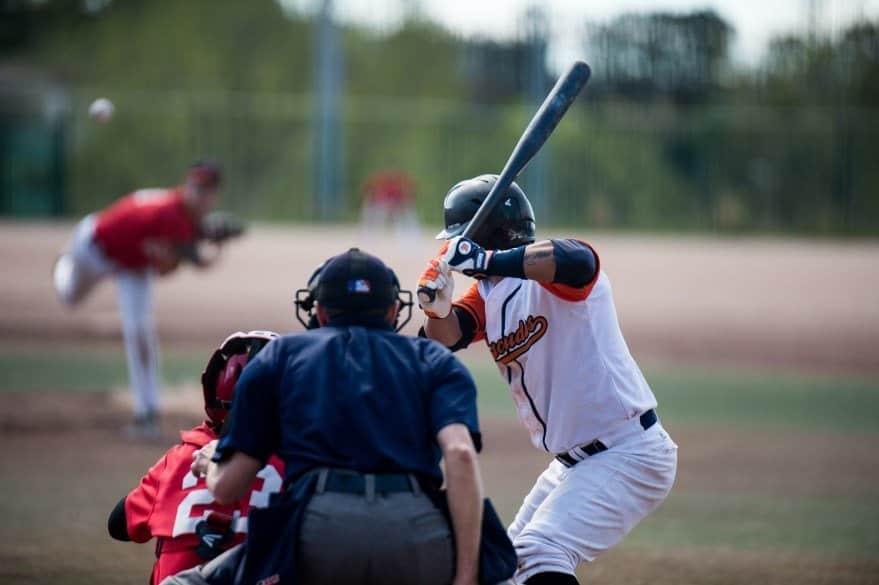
point(224, 368)
point(510, 223)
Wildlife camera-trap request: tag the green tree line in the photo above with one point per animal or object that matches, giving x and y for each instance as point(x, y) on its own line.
point(669, 135)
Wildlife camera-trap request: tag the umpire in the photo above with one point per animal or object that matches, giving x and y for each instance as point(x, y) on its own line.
point(361, 417)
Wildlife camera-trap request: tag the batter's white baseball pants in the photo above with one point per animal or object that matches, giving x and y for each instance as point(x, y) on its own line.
point(82, 266)
point(573, 514)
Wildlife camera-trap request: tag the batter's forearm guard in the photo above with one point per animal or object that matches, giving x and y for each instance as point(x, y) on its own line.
point(508, 263)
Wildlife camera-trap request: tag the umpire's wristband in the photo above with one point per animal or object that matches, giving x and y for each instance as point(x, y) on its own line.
point(507, 263)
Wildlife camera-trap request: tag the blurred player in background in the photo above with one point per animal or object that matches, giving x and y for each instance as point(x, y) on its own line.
point(174, 506)
point(144, 234)
point(389, 203)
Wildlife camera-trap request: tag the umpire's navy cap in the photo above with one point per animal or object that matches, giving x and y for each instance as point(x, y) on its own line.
point(356, 281)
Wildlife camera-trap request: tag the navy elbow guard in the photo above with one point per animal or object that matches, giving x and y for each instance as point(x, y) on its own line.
point(575, 263)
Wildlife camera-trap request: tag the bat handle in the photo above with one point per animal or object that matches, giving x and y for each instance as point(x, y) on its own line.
point(426, 295)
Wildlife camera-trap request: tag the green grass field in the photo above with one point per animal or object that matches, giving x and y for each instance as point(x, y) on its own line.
point(771, 463)
point(694, 396)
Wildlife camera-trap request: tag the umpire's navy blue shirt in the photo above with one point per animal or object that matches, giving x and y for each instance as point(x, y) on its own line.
point(356, 397)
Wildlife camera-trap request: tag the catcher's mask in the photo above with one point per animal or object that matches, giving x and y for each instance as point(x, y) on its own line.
point(363, 283)
point(304, 301)
point(224, 368)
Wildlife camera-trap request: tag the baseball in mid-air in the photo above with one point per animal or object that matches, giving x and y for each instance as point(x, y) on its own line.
point(101, 110)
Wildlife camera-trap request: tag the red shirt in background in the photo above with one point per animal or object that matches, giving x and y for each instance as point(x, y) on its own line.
point(170, 502)
point(389, 188)
point(148, 214)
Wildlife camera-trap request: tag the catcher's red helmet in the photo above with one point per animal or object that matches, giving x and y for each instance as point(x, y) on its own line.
point(224, 368)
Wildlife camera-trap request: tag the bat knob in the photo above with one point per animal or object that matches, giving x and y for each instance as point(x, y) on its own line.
point(426, 295)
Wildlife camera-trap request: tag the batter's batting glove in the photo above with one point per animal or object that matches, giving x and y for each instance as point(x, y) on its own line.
point(467, 257)
point(438, 278)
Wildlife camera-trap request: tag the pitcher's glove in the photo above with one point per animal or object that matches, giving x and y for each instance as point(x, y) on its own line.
point(217, 227)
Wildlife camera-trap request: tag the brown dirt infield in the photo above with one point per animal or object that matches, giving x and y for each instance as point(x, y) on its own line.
point(759, 301)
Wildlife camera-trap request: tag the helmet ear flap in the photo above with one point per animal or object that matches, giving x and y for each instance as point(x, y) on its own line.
point(228, 377)
point(213, 409)
point(235, 352)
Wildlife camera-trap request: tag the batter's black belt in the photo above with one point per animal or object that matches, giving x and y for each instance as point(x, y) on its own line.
point(647, 420)
point(351, 482)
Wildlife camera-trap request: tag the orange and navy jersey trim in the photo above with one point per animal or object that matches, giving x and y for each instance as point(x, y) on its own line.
point(472, 302)
point(575, 293)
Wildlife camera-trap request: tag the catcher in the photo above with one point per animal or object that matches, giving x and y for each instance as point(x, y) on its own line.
point(144, 234)
point(174, 506)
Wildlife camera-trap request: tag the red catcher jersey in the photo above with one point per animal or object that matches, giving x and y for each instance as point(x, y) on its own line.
point(561, 351)
point(170, 502)
point(148, 214)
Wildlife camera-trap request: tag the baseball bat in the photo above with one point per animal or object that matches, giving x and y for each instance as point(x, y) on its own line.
point(554, 106)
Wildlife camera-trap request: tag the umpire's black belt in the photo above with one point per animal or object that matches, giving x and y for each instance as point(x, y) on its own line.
point(647, 420)
point(351, 482)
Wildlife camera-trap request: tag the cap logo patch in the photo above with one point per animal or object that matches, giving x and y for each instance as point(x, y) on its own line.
point(359, 286)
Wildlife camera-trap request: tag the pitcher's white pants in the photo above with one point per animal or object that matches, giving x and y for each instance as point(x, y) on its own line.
point(82, 266)
point(573, 514)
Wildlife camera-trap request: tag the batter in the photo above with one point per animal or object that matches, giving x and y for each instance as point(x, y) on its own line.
point(546, 311)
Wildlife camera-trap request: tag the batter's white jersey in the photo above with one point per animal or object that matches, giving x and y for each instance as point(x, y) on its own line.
point(562, 353)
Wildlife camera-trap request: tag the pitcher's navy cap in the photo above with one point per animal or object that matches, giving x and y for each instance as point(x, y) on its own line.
point(205, 173)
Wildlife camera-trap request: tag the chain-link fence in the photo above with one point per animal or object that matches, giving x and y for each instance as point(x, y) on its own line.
point(610, 164)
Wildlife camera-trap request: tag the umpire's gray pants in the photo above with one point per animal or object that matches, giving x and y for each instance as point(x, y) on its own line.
point(387, 539)
point(396, 538)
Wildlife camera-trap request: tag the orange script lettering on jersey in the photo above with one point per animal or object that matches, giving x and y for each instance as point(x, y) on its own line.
point(511, 346)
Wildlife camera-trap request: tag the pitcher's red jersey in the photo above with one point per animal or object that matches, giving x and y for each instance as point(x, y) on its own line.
point(170, 502)
point(158, 214)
